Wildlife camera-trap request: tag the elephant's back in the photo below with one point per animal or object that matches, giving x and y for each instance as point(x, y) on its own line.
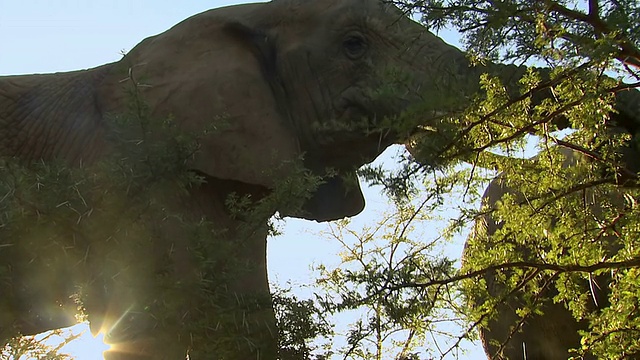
point(47, 116)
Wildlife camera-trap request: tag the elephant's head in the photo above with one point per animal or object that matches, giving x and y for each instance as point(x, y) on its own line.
point(285, 80)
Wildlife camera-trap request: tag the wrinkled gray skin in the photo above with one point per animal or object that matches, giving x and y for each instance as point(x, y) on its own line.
point(543, 337)
point(283, 74)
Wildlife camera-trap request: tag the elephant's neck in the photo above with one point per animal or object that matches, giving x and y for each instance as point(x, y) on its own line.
point(52, 116)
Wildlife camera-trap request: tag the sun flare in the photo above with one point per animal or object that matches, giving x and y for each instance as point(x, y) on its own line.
point(84, 347)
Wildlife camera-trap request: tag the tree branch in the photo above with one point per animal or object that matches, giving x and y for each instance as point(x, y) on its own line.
point(633, 262)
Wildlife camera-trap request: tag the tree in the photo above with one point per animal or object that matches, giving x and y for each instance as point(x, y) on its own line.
point(591, 51)
point(591, 59)
point(88, 230)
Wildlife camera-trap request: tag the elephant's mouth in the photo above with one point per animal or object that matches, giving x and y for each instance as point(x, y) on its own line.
point(361, 112)
point(354, 108)
point(351, 122)
point(355, 125)
point(354, 112)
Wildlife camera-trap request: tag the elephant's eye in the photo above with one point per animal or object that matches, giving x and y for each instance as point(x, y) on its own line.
point(354, 46)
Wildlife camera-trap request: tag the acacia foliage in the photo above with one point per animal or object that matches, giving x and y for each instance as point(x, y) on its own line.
point(581, 43)
point(577, 223)
point(107, 232)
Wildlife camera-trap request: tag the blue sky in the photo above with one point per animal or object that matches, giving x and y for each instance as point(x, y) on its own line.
point(42, 36)
point(61, 35)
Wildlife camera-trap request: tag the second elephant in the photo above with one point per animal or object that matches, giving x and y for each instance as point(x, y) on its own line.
point(580, 220)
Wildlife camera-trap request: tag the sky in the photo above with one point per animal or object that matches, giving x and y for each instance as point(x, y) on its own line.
point(44, 36)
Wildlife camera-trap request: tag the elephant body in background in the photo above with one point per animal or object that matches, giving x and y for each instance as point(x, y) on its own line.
point(541, 336)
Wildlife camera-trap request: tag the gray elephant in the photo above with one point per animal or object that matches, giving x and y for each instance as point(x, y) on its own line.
point(331, 82)
point(553, 333)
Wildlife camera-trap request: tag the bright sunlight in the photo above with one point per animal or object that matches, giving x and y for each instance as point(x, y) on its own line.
point(83, 345)
point(74, 342)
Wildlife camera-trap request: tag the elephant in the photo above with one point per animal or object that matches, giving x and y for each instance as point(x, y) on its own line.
point(288, 82)
point(326, 85)
point(553, 333)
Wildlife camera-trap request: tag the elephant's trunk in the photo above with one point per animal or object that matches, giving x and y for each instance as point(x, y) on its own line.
point(449, 79)
point(450, 82)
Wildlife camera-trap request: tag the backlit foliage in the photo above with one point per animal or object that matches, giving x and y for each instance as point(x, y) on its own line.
point(571, 228)
point(587, 54)
point(110, 229)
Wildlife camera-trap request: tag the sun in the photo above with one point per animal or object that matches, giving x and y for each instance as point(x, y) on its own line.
point(84, 347)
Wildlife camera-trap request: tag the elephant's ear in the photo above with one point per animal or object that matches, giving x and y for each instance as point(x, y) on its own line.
point(263, 47)
point(258, 42)
point(214, 72)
